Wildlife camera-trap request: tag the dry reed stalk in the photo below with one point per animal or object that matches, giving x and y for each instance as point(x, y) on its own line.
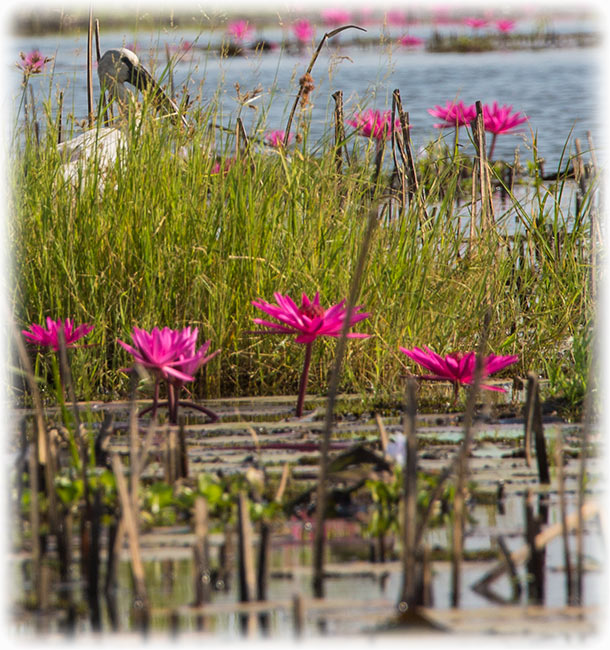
point(262, 574)
point(404, 145)
point(247, 574)
point(339, 131)
point(131, 527)
point(383, 434)
point(409, 499)
point(302, 85)
point(538, 431)
point(333, 385)
point(529, 417)
point(60, 108)
point(535, 563)
point(563, 514)
point(283, 482)
point(298, 615)
point(588, 410)
point(482, 166)
point(35, 521)
point(201, 559)
point(242, 144)
point(90, 118)
point(462, 466)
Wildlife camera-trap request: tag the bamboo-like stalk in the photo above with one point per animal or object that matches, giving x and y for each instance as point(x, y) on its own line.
point(247, 575)
point(339, 131)
point(409, 498)
point(319, 535)
point(90, 116)
point(567, 562)
point(131, 526)
point(201, 561)
point(462, 467)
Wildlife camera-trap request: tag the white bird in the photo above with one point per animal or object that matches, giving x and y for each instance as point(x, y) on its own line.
point(116, 68)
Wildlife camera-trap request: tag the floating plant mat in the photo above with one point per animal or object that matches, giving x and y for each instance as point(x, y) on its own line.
point(363, 576)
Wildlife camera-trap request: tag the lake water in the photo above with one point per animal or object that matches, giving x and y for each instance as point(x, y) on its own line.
point(558, 89)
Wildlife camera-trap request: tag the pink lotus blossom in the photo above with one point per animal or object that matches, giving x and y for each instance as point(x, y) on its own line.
point(309, 320)
point(458, 368)
point(453, 114)
point(33, 62)
point(374, 124)
point(276, 138)
point(303, 30)
point(239, 30)
point(499, 119)
point(49, 336)
point(335, 17)
point(475, 23)
point(505, 26)
point(410, 41)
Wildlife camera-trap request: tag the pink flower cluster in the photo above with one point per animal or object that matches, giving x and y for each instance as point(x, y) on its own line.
point(374, 124)
point(239, 30)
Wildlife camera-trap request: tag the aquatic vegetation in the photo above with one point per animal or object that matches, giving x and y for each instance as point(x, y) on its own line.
point(308, 321)
point(500, 119)
point(505, 25)
point(411, 41)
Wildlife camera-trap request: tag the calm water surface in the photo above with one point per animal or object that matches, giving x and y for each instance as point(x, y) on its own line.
point(558, 89)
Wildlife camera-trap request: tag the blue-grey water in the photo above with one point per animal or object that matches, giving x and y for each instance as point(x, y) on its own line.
point(558, 89)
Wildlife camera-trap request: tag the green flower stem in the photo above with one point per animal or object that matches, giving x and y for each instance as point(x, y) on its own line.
point(303, 383)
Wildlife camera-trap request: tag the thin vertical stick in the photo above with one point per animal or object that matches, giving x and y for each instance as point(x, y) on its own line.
point(409, 497)
point(298, 615)
point(90, 69)
point(563, 514)
point(60, 108)
point(529, 417)
point(319, 537)
point(538, 429)
point(131, 527)
point(247, 575)
point(201, 559)
point(262, 575)
point(35, 521)
point(535, 564)
point(462, 467)
point(339, 131)
point(383, 434)
point(283, 482)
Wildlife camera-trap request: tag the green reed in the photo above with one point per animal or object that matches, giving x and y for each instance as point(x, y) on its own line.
point(163, 241)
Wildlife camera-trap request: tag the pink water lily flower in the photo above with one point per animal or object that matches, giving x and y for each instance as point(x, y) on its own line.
point(500, 119)
point(239, 30)
point(475, 23)
point(453, 114)
point(505, 25)
point(49, 336)
point(374, 124)
point(276, 138)
point(303, 30)
point(33, 62)
point(171, 355)
point(458, 368)
point(410, 41)
point(308, 321)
